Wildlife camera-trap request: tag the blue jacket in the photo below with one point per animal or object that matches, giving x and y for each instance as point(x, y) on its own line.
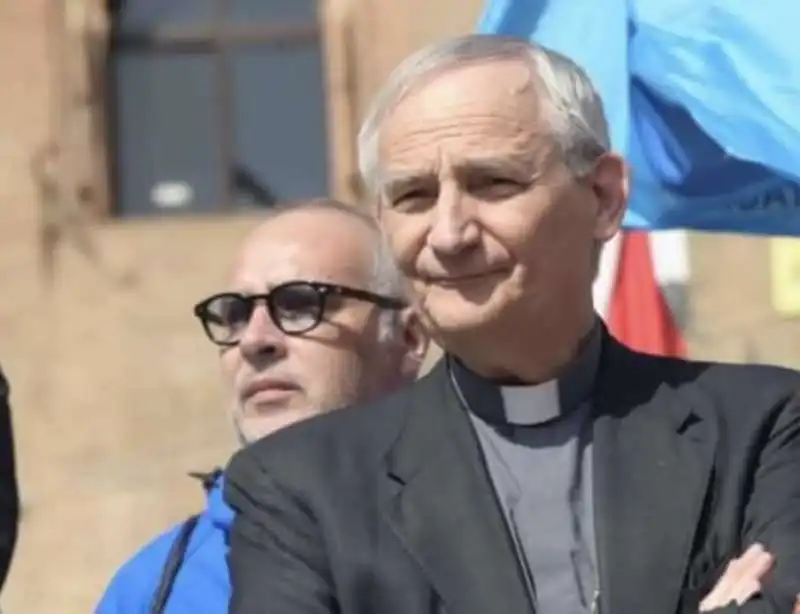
point(202, 584)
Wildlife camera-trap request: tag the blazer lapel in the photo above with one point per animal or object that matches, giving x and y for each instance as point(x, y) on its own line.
point(441, 505)
point(652, 462)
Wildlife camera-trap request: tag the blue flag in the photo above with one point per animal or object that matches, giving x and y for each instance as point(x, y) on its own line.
point(702, 97)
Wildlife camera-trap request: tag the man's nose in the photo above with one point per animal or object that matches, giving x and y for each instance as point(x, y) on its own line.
point(454, 227)
point(261, 340)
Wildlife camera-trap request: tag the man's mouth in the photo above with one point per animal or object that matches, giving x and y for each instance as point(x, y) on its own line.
point(268, 391)
point(456, 280)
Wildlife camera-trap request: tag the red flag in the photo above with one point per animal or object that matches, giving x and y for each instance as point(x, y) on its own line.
point(637, 312)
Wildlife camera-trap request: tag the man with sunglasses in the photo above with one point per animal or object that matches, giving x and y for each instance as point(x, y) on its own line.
point(313, 320)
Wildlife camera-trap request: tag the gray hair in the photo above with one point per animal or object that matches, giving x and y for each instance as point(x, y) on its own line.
point(573, 107)
point(387, 280)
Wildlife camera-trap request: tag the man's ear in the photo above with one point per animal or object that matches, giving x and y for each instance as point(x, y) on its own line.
point(415, 342)
point(609, 180)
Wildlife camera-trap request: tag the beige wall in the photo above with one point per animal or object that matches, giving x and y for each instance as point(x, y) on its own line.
point(733, 317)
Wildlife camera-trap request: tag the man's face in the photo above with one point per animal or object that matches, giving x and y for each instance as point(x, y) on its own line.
point(482, 214)
point(277, 379)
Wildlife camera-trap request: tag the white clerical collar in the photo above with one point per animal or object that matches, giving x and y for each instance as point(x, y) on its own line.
point(531, 404)
point(526, 405)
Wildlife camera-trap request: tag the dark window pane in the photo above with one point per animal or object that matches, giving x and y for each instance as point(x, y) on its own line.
point(147, 14)
point(279, 122)
point(168, 152)
point(273, 12)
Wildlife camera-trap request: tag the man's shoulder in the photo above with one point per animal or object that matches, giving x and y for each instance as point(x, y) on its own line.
point(745, 394)
point(728, 387)
point(745, 376)
point(134, 584)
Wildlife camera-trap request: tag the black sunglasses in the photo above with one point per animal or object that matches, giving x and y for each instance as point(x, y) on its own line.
point(295, 307)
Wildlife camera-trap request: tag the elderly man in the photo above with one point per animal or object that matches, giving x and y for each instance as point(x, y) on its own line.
point(541, 466)
point(312, 321)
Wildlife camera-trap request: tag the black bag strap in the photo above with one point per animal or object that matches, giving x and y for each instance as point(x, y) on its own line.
point(174, 561)
point(178, 550)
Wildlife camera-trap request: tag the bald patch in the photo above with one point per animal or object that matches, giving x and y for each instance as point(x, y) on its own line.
point(518, 74)
point(307, 243)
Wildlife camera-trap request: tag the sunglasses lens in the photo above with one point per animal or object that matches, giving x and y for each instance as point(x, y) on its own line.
point(226, 316)
point(296, 307)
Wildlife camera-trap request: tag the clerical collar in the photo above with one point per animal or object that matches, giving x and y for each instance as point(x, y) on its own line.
point(523, 405)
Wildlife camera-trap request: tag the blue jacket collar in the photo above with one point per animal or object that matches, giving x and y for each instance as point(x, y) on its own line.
point(221, 515)
point(217, 510)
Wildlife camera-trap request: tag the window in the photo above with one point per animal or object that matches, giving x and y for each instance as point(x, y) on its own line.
point(215, 104)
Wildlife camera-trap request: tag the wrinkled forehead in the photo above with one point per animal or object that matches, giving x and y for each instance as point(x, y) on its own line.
point(484, 115)
point(293, 247)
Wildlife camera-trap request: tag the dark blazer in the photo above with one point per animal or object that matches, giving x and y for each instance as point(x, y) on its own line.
point(388, 508)
point(9, 498)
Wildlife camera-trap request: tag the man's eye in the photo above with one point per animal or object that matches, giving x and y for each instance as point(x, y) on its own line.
point(488, 182)
point(495, 187)
point(296, 303)
point(236, 312)
point(406, 197)
point(410, 197)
